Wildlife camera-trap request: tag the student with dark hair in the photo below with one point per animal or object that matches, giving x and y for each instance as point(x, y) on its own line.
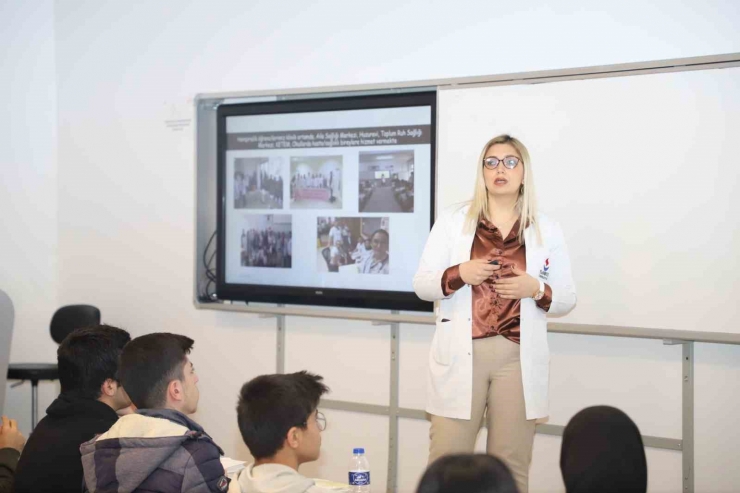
point(157, 449)
point(91, 395)
point(467, 473)
point(280, 423)
point(602, 452)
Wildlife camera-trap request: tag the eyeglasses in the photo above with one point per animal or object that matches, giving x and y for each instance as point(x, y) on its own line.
point(492, 162)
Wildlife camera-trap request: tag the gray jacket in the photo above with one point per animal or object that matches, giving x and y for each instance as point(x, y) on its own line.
point(153, 450)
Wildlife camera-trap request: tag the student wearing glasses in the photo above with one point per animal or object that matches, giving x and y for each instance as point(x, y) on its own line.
point(280, 423)
point(497, 268)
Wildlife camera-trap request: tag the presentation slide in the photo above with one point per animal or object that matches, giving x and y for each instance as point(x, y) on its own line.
point(327, 199)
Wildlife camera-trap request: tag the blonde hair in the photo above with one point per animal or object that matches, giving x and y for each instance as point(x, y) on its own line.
point(526, 204)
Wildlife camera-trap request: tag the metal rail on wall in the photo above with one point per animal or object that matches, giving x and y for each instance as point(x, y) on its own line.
point(393, 320)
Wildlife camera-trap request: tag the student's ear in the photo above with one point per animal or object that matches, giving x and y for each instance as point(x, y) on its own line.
point(175, 390)
point(109, 387)
point(293, 438)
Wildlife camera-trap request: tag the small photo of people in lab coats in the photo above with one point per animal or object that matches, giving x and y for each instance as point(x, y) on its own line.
point(258, 183)
point(316, 182)
point(356, 245)
point(267, 241)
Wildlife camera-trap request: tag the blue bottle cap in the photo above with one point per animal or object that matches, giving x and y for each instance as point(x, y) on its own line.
point(358, 451)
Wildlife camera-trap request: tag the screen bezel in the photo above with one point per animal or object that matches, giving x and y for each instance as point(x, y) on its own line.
point(299, 295)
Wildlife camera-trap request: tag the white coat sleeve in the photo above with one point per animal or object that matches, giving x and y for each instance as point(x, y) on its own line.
point(561, 278)
point(434, 261)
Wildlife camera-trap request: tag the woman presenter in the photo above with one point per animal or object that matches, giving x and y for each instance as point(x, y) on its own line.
point(497, 268)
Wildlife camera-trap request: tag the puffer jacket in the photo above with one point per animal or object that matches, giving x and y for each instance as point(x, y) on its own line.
point(158, 450)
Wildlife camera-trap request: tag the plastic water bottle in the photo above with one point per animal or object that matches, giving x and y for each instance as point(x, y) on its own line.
point(359, 472)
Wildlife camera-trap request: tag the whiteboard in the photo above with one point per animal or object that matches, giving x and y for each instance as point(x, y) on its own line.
point(642, 174)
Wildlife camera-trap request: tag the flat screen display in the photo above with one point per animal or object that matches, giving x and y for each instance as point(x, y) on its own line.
point(325, 201)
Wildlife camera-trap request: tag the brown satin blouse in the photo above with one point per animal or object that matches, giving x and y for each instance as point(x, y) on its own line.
point(493, 315)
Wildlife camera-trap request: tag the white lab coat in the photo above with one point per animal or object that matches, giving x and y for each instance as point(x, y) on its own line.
point(450, 379)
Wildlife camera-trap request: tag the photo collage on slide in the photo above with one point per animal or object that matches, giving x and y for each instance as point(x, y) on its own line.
point(358, 242)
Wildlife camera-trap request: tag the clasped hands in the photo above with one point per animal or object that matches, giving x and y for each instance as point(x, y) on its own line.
point(10, 437)
point(520, 285)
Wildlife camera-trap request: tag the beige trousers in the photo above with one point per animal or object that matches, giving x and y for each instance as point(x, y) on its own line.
point(497, 388)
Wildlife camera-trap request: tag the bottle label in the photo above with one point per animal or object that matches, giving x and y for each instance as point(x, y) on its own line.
point(359, 478)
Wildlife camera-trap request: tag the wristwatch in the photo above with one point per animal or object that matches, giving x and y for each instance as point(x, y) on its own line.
point(541, 292)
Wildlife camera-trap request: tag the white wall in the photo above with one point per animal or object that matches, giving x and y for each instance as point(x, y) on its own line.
point(125, 189)
point(612, 145)
point(28, 190)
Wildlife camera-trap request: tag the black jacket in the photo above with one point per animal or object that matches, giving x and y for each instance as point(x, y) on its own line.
point(51, 460)
point(8, 461)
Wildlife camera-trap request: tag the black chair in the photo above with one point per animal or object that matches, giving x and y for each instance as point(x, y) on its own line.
point(65, 320)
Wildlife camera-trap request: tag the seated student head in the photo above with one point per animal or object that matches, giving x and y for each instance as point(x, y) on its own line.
point(602, 452)
point(467, 473)
point(278, 418)
point(157, 374)
point(88, 365)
